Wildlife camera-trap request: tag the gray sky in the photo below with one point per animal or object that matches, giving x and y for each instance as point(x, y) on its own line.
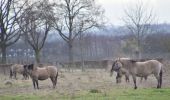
point(114, 9)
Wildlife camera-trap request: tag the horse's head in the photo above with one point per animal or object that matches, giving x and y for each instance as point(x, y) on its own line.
point(116, 66)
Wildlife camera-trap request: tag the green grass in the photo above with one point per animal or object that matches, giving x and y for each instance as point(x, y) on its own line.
point(114, 94)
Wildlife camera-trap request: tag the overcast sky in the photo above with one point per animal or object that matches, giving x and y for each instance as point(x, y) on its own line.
point(114, 9)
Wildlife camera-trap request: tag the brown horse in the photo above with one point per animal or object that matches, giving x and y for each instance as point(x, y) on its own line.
point(37, 73)
point(118, 80)
point(138, 69)
point(18, 68)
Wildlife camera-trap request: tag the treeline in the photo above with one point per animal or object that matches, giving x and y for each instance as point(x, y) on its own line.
point(91, 47)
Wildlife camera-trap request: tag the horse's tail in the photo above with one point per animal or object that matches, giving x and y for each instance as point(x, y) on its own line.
point(160, 75)
point(56, 78)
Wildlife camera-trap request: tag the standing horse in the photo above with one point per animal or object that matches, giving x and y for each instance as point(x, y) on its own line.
point(139, 69)
point(18, 68)
point(37, 73)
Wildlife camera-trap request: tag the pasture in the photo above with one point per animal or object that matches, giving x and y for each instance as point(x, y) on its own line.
point(93, 84)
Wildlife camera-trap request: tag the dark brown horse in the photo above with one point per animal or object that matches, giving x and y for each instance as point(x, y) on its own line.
point(37, 73)
point(138, 69)
point(18, 68)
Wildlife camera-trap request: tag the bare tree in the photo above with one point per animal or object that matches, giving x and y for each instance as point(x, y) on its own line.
point(73, 17)
point(35, 24)
point(138, 19)
point(9, 31)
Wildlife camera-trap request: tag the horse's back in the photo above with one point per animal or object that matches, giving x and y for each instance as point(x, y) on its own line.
point(41, 73)
point(149, 66)
point(47, 71)
point(52, 70)
point(148, 63)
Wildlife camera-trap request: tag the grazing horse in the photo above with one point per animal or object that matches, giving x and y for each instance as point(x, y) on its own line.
point(18, 68)
point(37, 73)
point(139, 69)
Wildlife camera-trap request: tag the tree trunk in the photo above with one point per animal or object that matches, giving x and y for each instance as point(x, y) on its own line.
point(70, 56)
point(82, 53)
point(139, 50)
point(37, 56)
point(3, 50)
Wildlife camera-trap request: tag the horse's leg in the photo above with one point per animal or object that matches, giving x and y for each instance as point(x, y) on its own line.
point(160, 77)
point(27, 77)
point(53, 81)
point(15, 75)
point(134, 80)
point(127, 78)
point(158, 80)
point(37, 84)
point(11, 73)
point(146, 78)
point(141, 79)
point(117, 78)
point(33, 81)
point(23, 76)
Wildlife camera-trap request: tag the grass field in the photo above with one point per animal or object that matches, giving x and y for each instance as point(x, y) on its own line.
point(115, 94)
point(92, 85)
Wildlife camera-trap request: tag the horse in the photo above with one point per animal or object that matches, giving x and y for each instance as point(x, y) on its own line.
point(18, 68)
point(118, 80)
point(139, 69)
point(37, 73)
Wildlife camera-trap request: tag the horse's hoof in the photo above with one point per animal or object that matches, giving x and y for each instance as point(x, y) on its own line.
point(135, 88)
